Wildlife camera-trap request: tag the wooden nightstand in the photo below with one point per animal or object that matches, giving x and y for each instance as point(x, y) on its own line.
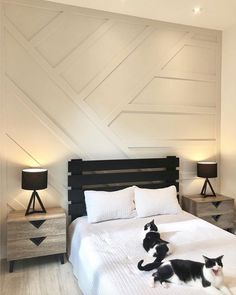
point(36, 235)
point(217, 210)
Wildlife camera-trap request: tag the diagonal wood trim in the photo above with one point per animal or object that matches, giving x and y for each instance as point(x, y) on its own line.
point(59, 188)
point(23, 149)
point(48, 29)
point(47, 122)
point(147, 78)
point(65, 87)
point(16, 205)
point(114, 64)
point(70, 58)
point(189, 77)
point(169, 109)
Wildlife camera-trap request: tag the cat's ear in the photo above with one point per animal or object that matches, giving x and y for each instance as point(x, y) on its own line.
point(220, 257)
point(163, 241)
point(205, 258)
point(152, 221)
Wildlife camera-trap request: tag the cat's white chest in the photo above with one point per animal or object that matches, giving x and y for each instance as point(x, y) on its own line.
point(143, 235)
point(215, 280)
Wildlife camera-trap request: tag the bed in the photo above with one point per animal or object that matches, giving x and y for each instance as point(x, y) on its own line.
point(104, 255)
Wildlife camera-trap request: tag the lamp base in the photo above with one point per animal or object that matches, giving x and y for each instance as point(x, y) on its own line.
point(31, 210)
point(204, 189)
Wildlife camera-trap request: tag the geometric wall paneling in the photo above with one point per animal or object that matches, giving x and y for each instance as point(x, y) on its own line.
point(120, 83)
point(205, 37)
point(70, 145)
point(25, 128)
point(113, 64)
point(109, 145)
point(149, 76)
point(191, 149)
point(91, 62)
point(71, 33)
point(186, 92)
point(69, 60)
point(193, 59)
point(29, 20)
point(52, 100)
point(144, 127)
point(41, 147)
point(168, 109)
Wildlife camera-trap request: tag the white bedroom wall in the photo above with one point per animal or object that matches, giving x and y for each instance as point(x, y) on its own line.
point(85, 84)
point(228, 118)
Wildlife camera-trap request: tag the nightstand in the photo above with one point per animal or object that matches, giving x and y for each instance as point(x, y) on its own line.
point(217, 210)
point(35, 235)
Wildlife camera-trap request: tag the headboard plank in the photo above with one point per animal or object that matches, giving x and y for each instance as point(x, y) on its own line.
point(112, 175)
point(107, 178)
point(77, 166)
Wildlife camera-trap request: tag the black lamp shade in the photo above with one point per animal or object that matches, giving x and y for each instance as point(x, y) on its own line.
point(34, 179)
point(207, 169)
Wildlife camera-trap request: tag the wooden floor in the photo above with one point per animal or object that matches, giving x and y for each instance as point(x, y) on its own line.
point(38, 276)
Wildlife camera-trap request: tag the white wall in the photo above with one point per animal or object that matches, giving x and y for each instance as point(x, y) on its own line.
point(228, 113)
point(95, 85)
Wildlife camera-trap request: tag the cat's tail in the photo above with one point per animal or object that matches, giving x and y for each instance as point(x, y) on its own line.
point(150, 266)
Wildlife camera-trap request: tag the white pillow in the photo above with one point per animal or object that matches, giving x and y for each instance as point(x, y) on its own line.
point(103, 205)
point(156, 201)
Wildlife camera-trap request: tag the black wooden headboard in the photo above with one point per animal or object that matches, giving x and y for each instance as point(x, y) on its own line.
point(112, 175)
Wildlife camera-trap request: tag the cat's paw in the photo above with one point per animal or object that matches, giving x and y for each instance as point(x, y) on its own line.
point(152, 283)
point(165, 285)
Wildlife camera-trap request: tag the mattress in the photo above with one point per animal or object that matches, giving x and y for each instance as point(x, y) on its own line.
point(104, 256)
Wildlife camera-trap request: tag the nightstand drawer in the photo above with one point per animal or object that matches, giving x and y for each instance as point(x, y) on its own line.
point(214, 208)
point(34, 247)
point(39, 228)
point(224, 221)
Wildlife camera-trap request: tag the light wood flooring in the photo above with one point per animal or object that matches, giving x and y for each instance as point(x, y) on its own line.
point(38, 276)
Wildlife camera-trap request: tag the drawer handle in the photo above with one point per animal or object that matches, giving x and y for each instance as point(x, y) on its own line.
point(216, 204)
point(37, 241)
point(216, 217)
point(37, 223)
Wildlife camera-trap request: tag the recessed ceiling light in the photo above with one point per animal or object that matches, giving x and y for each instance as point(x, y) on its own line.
point(197, 10)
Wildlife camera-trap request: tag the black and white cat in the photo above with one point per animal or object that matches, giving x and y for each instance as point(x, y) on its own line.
point(153, 244)
point(208, 275)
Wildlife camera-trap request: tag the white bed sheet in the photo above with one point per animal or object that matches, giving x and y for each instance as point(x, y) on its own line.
point(105, 255)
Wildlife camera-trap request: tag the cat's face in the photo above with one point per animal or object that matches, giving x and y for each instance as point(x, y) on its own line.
point(150, 226)
point(214, 264)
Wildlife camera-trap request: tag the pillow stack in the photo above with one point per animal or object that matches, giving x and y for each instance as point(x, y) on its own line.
point(104, 205)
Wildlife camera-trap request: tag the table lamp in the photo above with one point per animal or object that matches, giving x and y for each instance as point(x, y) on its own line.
point(34, 179)
point(207, 170)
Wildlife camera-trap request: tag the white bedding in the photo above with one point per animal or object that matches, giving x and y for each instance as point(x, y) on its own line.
point(104, 255)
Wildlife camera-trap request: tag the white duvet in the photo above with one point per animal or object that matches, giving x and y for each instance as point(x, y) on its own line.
point(104, 255)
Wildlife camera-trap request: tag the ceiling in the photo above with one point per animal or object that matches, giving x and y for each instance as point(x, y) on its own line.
point(216, 14)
